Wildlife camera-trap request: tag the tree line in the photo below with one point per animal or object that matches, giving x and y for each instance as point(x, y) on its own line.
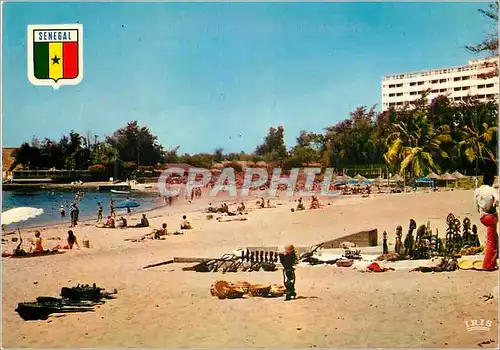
point(422, 136)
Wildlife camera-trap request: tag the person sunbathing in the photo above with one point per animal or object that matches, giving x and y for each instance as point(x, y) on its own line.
point(110, 223)
point(241, 208)
point(300, 206)
point(122, 223)
point(144, 222)
point(18, 251)
point(314, 203)
point(161, 232)
point(71, 241)
point(37, 243)
point(185, 224)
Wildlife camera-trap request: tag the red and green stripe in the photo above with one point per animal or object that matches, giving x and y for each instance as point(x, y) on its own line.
point(56, 60)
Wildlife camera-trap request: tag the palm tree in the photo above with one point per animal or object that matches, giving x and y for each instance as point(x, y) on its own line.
point(476, 137)
point(415, 145)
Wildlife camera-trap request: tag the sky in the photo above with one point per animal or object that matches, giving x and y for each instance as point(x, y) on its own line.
point(199, 75)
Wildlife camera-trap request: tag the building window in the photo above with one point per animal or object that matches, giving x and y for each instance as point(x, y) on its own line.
point(399, 85)
point(465, 87)
point(392, 85)
point(413, 93)
point(481, 86)
point(443, 80)
point(466, 78)
point(399, 94)
point(490, 95)
point(413, 83)
point(399, 103)
point(392, 104)
point(434, 81)
point(489, 85)
point(457, 89)
point(480, 96)
point(435, 91)
point(392, 95)
point(420, 83)
point(442, 90)
point(457, 79)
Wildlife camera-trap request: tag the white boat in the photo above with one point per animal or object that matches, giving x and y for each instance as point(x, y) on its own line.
point(120, 192)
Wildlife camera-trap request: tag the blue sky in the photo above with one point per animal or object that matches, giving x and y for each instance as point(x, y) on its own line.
point(199, 74)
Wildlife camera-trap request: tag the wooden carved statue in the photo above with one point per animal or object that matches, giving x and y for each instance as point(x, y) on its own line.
point(384, 243)
point(399, 245)
point(409, 244)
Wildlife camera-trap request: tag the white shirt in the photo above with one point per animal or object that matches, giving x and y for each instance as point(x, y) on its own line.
point(485, 198)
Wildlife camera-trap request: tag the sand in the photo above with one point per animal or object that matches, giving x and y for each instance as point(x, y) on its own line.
point(337, 307)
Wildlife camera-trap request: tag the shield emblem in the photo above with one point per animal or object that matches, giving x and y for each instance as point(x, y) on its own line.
point(55, 54)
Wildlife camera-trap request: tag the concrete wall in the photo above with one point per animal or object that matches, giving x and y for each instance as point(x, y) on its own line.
point(362, 239)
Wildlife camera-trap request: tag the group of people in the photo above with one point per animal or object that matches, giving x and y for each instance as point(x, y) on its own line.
point(37, 246)
point(123, 223)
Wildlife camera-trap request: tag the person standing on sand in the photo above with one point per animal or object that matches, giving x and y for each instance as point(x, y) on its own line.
point(289, 259)
point(486, 200)
point(100, 209)
point(74, 212)
point(112, 209)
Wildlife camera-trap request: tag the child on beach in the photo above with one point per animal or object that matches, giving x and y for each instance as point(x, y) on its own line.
point(289, 259)
point(185, 224)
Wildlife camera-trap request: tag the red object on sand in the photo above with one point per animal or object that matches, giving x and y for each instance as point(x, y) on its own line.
point(375, 267)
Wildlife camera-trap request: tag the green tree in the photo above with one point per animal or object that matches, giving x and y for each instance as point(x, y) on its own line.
point(273, 146)
point(137, 144)
point(490, 43)
point(477, 135)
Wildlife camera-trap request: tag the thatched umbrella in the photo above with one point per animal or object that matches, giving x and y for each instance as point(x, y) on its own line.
point(379, 180)
point(397, 178)
point(456, 175)
point(359, 177)
point(433, 175)
point(447, 177)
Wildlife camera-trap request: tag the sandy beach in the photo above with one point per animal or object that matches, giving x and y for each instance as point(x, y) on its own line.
point(336, 307)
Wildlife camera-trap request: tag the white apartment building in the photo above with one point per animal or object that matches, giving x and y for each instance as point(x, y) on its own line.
point(456, 83)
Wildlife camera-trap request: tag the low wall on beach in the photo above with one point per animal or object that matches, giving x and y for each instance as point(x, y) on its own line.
point(361, 239)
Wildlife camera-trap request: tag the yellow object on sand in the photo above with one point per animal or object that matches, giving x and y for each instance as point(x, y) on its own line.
point(465, 264)
point(478, 264)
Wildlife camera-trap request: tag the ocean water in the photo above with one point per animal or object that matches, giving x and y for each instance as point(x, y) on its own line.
point(50, 202)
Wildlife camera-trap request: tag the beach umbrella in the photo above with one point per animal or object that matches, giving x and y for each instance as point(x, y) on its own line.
point(458, 176)
point(359, 177)
point(20, 214)
point(397, 178)
point(447, 177)
point(344, 177)
point(128, 204)
point(379, 180)
point(433, 175)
